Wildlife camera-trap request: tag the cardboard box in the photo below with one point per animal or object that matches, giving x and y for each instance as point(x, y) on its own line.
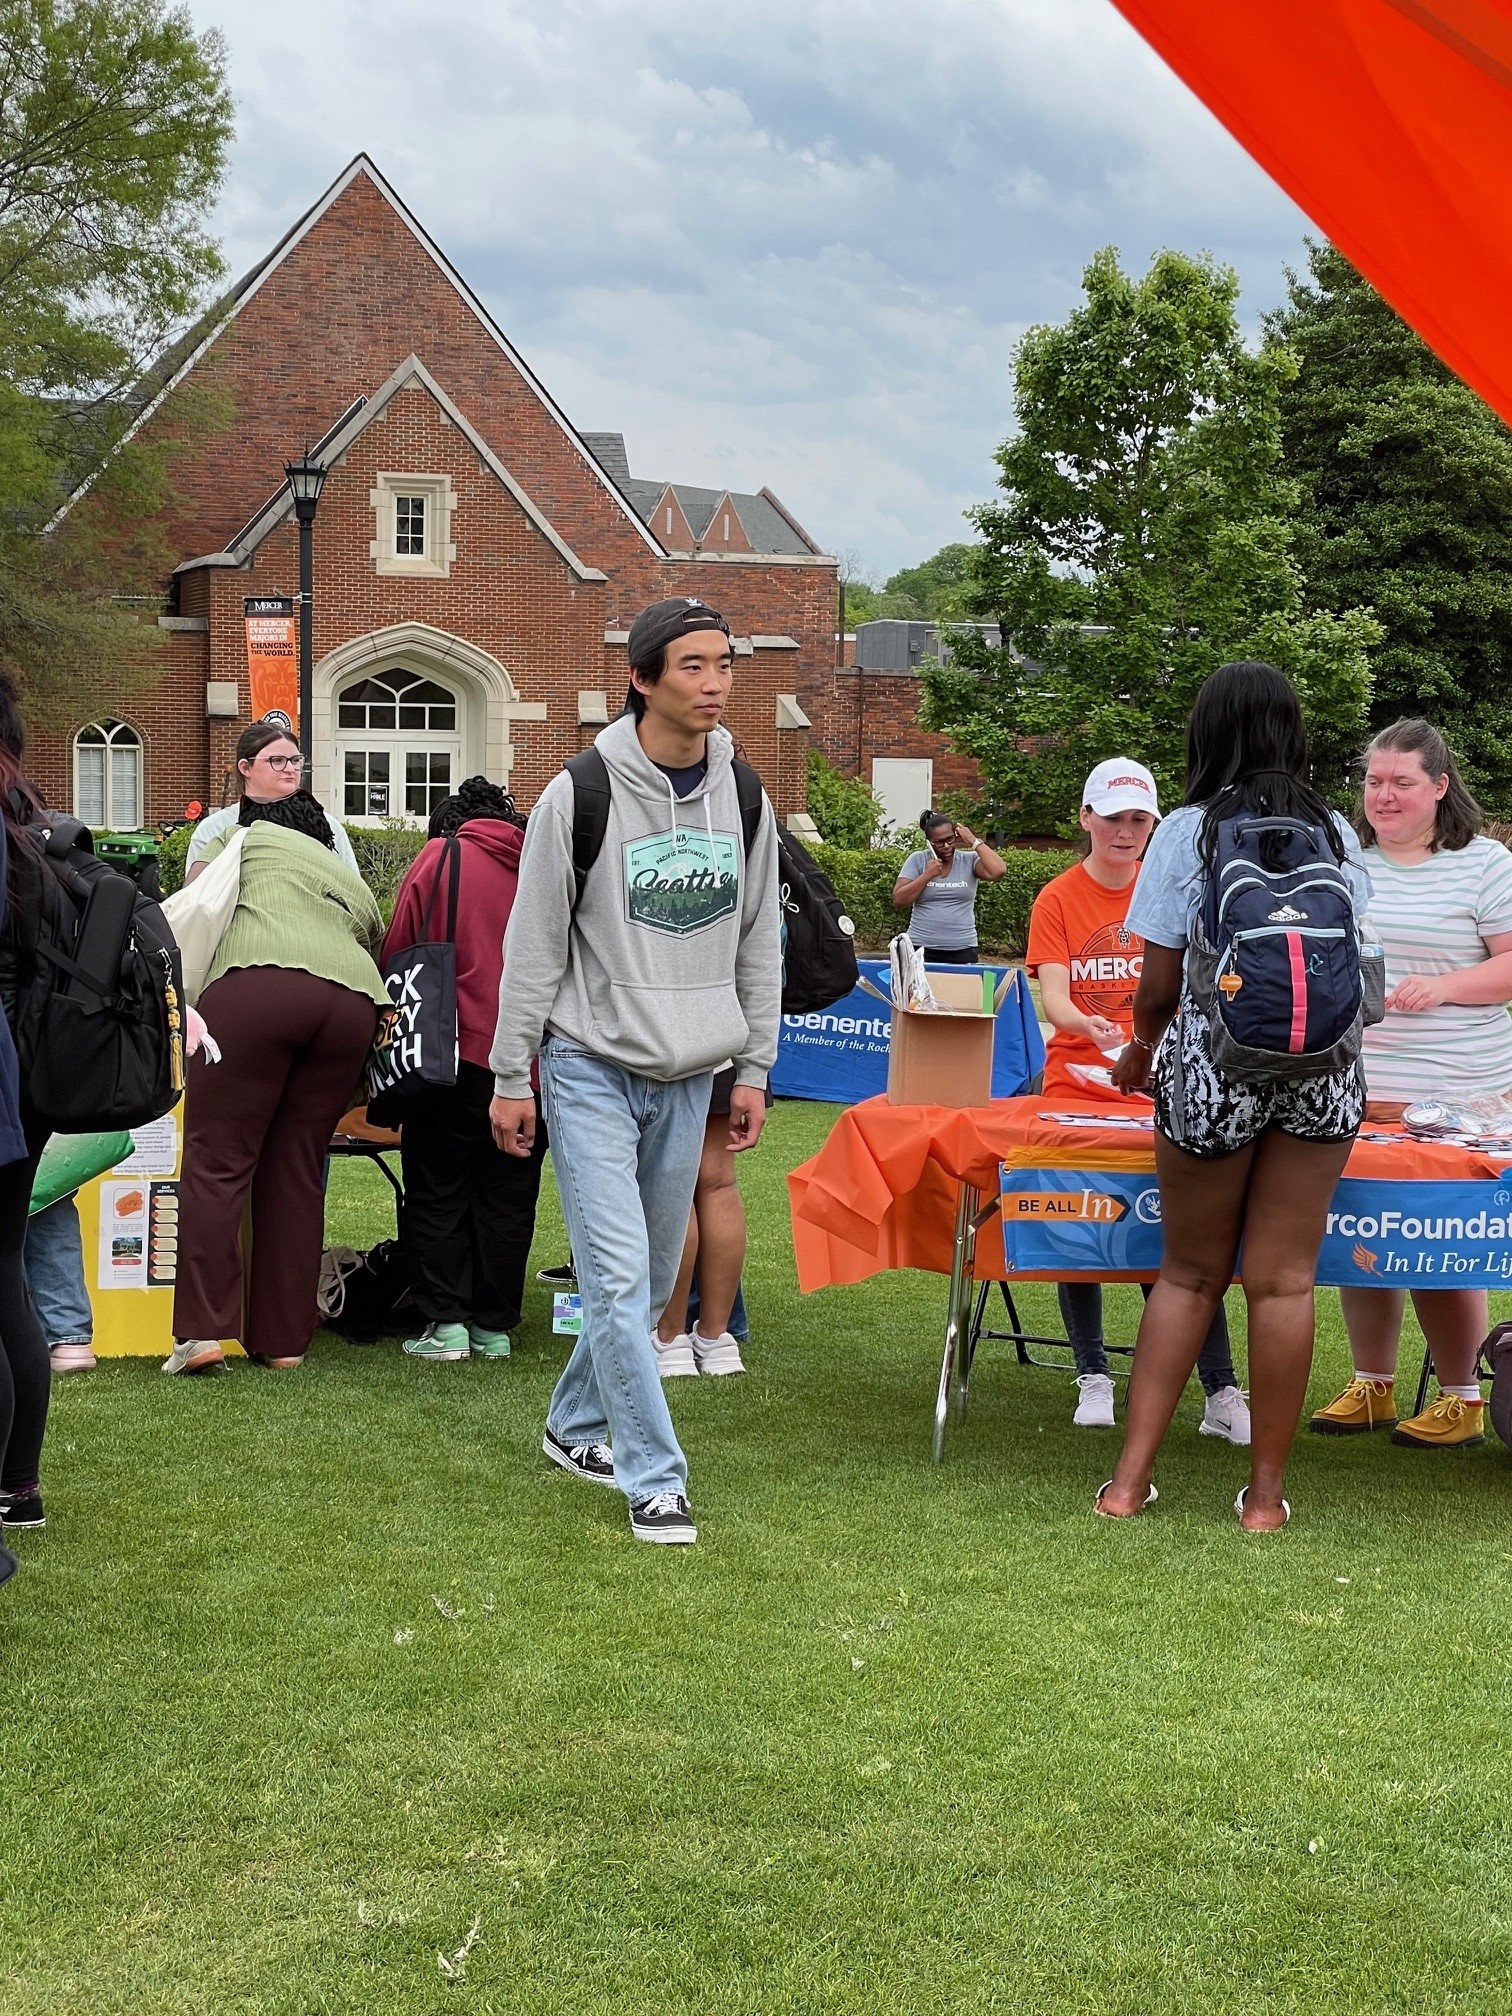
point(943, 1056)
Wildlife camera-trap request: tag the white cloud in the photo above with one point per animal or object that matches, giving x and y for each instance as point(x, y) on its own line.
point(793, 247)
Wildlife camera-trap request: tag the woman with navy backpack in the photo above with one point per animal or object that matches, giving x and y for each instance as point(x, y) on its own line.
point(1253, 883)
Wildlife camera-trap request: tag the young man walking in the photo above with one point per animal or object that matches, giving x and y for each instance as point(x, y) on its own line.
point(632, 992)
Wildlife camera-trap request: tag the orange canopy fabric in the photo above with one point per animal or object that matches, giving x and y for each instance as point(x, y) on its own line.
point(881, 1193)
point(1390, 123)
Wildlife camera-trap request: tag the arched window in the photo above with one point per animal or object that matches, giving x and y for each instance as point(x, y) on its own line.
point(398, 745)
point(108, 776)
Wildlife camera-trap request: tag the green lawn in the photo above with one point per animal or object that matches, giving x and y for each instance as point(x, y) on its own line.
point(309, 1679)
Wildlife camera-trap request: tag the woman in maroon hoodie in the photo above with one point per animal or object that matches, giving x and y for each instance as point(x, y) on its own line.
point(469, 1208)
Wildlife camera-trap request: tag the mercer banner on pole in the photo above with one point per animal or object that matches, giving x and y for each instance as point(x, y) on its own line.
point(272, 667)
point(1390, 123)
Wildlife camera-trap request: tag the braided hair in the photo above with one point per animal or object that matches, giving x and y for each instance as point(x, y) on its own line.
point(475, 798)
point(299, 813)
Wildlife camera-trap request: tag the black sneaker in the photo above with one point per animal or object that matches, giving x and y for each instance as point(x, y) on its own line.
point(559, 1277)
point(593, 1460)
point(22, 1512)
point(8, 1564)
point(664, 1519)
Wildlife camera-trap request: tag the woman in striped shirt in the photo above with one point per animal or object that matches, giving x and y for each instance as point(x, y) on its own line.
point(1442, 910)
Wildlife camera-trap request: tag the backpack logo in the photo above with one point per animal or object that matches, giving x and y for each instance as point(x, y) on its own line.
point(1286, 915)
point(676, 882)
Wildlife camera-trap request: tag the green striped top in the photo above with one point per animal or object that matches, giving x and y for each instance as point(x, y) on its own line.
point(302, 908)
point(1435, 917)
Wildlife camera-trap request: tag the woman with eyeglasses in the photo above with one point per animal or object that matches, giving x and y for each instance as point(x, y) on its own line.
point(268, 763)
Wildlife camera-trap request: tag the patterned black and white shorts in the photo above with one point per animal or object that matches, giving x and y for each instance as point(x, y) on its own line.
point(1222, 1115)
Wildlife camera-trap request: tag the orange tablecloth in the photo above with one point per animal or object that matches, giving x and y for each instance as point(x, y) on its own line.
point(881, 1193)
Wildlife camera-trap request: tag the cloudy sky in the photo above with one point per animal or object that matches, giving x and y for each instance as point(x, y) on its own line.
point(788, 244)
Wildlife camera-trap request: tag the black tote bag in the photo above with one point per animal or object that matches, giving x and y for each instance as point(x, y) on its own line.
point(416, 1046)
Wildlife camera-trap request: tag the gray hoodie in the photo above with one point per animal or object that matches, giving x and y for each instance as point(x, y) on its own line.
point(671, 962)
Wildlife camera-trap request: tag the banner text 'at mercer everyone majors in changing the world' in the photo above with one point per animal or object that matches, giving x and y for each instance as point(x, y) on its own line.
point(1401, 1235)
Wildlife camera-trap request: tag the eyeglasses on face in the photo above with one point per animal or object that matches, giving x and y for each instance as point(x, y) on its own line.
point(283, 762)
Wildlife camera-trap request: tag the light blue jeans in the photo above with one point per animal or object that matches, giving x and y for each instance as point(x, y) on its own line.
point(54, 1262)
point(626, 1153)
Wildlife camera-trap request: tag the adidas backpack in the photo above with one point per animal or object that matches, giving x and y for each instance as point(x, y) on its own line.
point(1274, 959)
point(818, 939)
point(99, 1018)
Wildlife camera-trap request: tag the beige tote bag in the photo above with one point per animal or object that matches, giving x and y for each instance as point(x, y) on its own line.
point(201, 911)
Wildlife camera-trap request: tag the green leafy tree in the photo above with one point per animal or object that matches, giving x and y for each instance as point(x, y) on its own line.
point(933, 588)
point(1406, 478)
point(114, 122)
point(846, 810)
point(1144, 536)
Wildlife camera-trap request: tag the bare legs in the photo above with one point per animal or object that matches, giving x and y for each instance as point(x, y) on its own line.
point(1273, 1195)
point(716, 1240)
point(1454, 1320)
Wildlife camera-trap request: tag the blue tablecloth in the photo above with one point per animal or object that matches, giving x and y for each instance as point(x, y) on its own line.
point(841, 1053)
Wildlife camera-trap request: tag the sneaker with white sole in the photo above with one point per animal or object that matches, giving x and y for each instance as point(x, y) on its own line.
point(558, 1277)
point(441, 1343)
point(591, 1460)
point(23, 1512)
point(716, 1357)
point(675, 1360)
point(71, 1354)
point(1227, 1416)
point(194, 1354)
point(666, 1520)
point(1094, 1405)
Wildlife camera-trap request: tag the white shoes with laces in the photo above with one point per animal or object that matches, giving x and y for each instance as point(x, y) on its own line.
point(1227, 1416)
point(1094, 1404)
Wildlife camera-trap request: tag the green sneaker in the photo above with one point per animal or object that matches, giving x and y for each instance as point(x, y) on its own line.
point(488, 1343)
point(445, 1343)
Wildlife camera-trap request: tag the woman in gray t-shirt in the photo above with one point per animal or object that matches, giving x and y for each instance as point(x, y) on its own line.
point(940, 881)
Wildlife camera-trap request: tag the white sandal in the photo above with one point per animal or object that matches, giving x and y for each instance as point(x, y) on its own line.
point(1239, 1514)
point(1150, 1498)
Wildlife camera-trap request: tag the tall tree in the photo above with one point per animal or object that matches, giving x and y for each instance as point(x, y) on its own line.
point(1406, 478)
point(1143, 536)
point(930, 589)
point(114, 122)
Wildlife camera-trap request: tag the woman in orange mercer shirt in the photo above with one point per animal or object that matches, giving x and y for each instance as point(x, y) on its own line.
point(1088, 964)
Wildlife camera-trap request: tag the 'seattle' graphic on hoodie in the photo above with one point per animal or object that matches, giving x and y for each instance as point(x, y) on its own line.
point(671, 963)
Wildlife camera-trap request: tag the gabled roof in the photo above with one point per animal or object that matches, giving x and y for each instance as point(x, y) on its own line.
point(768, 526)
point(357, 418)
point(180, 358)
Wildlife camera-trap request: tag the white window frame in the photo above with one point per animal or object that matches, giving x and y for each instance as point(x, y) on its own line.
point(397, 743)
point(440, 508)
point(117, 738)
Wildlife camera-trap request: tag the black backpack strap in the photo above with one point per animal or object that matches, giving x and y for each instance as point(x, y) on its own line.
point(451, 859)
point(749, 791)
point(590, 811)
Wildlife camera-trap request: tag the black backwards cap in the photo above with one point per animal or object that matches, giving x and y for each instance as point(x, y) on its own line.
point(655, 628)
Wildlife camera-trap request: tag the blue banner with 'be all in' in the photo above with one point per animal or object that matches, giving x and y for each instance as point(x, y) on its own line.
point(1091, 1222)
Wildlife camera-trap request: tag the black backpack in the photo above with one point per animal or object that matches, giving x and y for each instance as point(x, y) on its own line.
point(818, 939)
point(99, 1015)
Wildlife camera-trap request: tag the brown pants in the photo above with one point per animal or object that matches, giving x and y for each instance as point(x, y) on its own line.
point(292, 1047)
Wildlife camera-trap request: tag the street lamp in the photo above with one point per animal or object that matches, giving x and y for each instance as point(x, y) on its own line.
point(305, 479)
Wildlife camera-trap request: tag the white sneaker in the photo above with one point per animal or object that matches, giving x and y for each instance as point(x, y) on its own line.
point(716, 1357)
point(194, 1354)
point(1094, 1408)
point(1227, 1416)
point(675, 1360)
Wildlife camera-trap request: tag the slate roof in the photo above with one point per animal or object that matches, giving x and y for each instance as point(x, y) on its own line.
point(767, 525)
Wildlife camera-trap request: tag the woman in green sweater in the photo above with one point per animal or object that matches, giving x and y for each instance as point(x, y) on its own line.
point(292, 1002)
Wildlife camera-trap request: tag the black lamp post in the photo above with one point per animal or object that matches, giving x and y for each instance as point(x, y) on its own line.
point(305, 479)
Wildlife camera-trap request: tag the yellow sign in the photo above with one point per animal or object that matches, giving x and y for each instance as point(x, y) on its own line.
point(1090, 1206)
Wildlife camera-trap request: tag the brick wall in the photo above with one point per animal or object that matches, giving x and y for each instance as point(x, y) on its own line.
point(877, 712)
point(355, 298)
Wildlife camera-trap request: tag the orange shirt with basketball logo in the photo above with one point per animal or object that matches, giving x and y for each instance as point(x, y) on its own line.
point(1078, 924)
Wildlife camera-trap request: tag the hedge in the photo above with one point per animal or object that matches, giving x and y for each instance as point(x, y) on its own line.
point(864, 879)
point(383, 854)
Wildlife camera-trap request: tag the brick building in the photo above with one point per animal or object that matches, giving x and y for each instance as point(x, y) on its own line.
point(478, 560)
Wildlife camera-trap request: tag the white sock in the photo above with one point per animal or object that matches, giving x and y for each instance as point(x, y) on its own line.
point(1378, 1378)
point(1461, 1392)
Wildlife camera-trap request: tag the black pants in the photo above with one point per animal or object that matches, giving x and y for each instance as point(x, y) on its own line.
point(469, 1213)
point(25, 1368)
point(954, 955)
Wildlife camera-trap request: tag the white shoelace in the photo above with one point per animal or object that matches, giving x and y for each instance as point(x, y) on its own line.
point(599, 1450)
point(664, 1501)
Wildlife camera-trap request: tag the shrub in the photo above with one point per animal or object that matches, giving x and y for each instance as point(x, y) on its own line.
point(864, 878)
point(383, 854)
point(845, 809)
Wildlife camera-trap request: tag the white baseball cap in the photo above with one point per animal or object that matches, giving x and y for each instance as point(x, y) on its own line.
point(1120, 785)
